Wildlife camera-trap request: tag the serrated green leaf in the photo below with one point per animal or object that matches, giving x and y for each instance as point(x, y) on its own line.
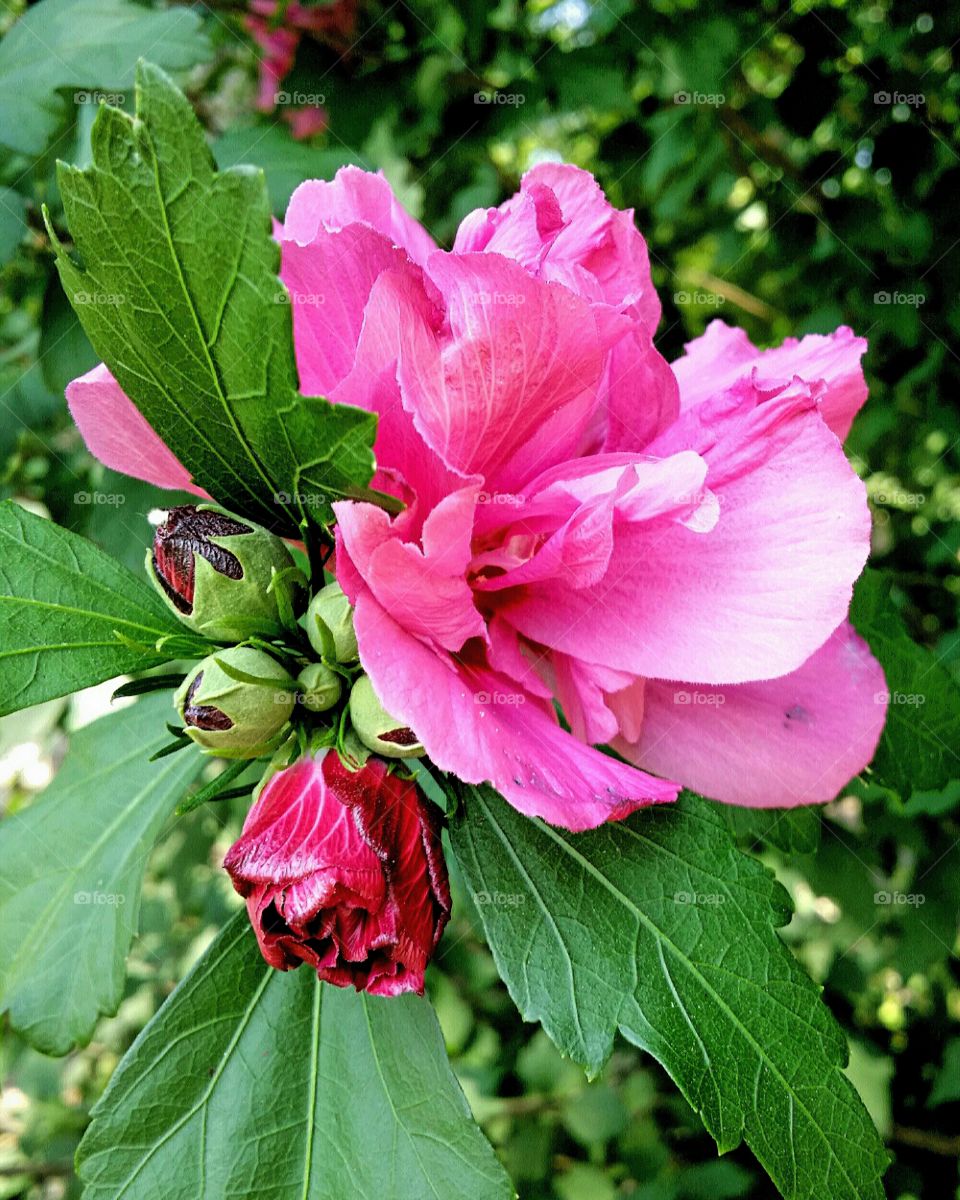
point(179, 295)
point(83, 45)
point(920, 745)
point(71, 870)
point(71, 616)
point(659, 927)
point(792, 830)
point(256, 1082)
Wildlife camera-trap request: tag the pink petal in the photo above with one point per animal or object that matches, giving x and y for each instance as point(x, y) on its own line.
point(398, 305)
point(481, 727)
point(753, 597)
point(329, 278)
point(118, 434)
point(784, 742)
point(507, 385)
point(355, 197)
point(713, 362)
point(425, 589)
point(599, 240)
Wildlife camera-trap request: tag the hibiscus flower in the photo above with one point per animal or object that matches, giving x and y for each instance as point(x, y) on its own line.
point(668, 552)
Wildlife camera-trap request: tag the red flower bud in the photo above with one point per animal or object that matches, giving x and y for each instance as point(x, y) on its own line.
point(344, 870)
point(186, 532)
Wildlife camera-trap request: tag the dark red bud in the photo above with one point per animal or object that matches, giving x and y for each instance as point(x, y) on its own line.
point(184, 534)
point(203, 716)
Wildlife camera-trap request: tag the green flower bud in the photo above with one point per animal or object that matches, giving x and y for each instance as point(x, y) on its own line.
point(374, 726)
point(230, 716)
point(216, 571)
point(330, 625)
point(319, 687)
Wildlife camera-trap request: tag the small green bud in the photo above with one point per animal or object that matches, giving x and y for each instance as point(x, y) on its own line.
point(330, 625)
point(374, 726)
point(226, 578)
point(319, 687)
point(231, 717)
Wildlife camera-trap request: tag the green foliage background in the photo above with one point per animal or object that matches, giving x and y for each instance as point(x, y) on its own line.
point(793, 167)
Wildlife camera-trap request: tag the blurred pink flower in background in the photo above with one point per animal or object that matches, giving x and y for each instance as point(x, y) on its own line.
point(667, 551)
point(277, 28)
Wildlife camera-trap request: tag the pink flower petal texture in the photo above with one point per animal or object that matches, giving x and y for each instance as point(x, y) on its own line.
point(775, 743)
point(118, 435)
point(582, 521)
point(343, 869)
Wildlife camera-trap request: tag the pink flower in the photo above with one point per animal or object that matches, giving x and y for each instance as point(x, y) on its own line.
point(668, 552)
point(277, 29)
point(344, 870)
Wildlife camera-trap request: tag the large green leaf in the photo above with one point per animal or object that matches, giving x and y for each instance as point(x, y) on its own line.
point(71, 869)
point(660, 927)
point(70, 615)
point(82, 45)
point(920, 745)
point(252, 1082)
point(179, 294)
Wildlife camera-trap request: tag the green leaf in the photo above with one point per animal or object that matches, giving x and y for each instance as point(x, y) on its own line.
point(660, 927)
point(13, 221)
point(791, 830)
point(71, 616)
point(179, 295)
point(920, 745)
point(256, 1082)
point(82, 45)
point(71, 874)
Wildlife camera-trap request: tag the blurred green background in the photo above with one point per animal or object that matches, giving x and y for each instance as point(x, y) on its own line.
point(793, 167)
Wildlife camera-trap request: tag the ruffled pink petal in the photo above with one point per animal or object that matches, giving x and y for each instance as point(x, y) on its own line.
point(119, 436)
point(523, 228)
point(355, 197)
point(481, 727)
point(597, 240)
point(780, 743)
point(425, 589)
point(751, 598)
point(506, 386)
point(715, 361)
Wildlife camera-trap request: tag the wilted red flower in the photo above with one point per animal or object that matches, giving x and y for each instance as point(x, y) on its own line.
point(344, 870)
